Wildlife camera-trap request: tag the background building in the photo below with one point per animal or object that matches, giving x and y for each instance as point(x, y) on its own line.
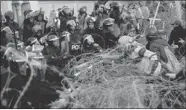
point(18, 7)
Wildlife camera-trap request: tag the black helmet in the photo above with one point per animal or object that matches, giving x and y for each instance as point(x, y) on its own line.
point(91, 20)
point(52, 38)
point(8, 14)
point(83, 9)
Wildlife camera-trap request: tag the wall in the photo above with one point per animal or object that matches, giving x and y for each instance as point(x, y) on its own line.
point(5, 6)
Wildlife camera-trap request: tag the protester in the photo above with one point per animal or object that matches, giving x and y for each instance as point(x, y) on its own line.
point(176, 35)
point(163, 50)
point(145, 13)
point(138, 15)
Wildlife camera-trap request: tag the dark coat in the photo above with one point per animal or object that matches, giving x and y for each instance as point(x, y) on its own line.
point(14, 26)
point(176, 34)
point(27, 30)
point(157, 45)
point(112, 37)
point(92, 31)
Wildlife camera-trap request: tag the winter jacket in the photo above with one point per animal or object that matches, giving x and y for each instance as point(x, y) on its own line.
point(157, 45)
point(176, 34)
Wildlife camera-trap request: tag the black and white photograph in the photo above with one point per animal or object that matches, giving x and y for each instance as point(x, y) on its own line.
point(93, 54)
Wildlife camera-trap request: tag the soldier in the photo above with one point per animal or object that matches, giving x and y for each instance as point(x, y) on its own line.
point(91, 29)
point(82, 18)
point(40, 20)
point(28, 25)
point(89, 44)
point(14, 26)
point(65, 15)
point(52, 51)
point(102, 14)
point(111, 32)
point(115, 12)
point(72, 40)
point(36, 37)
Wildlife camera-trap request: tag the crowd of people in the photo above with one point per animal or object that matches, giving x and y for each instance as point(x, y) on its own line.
point(64, 36)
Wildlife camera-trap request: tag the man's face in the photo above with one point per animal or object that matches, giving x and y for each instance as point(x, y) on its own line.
point(40, 17)
point(72, 27)
point(142, 3)
point(136, 6)
point(31, 19)
point(83, 14)
point(91, 25)
point(56, 43)
point(108, 28)
point(11, 17)
point(100, 9)
point(39, 33)
point(54, 29)
point(175, 25)
point(130, 9)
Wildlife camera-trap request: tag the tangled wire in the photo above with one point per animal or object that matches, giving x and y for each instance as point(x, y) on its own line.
point(101, 83)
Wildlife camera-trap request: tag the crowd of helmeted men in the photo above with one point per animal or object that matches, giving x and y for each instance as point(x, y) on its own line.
point(63, 36)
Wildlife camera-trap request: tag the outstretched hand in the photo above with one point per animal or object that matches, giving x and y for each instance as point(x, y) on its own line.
point(181, 40)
